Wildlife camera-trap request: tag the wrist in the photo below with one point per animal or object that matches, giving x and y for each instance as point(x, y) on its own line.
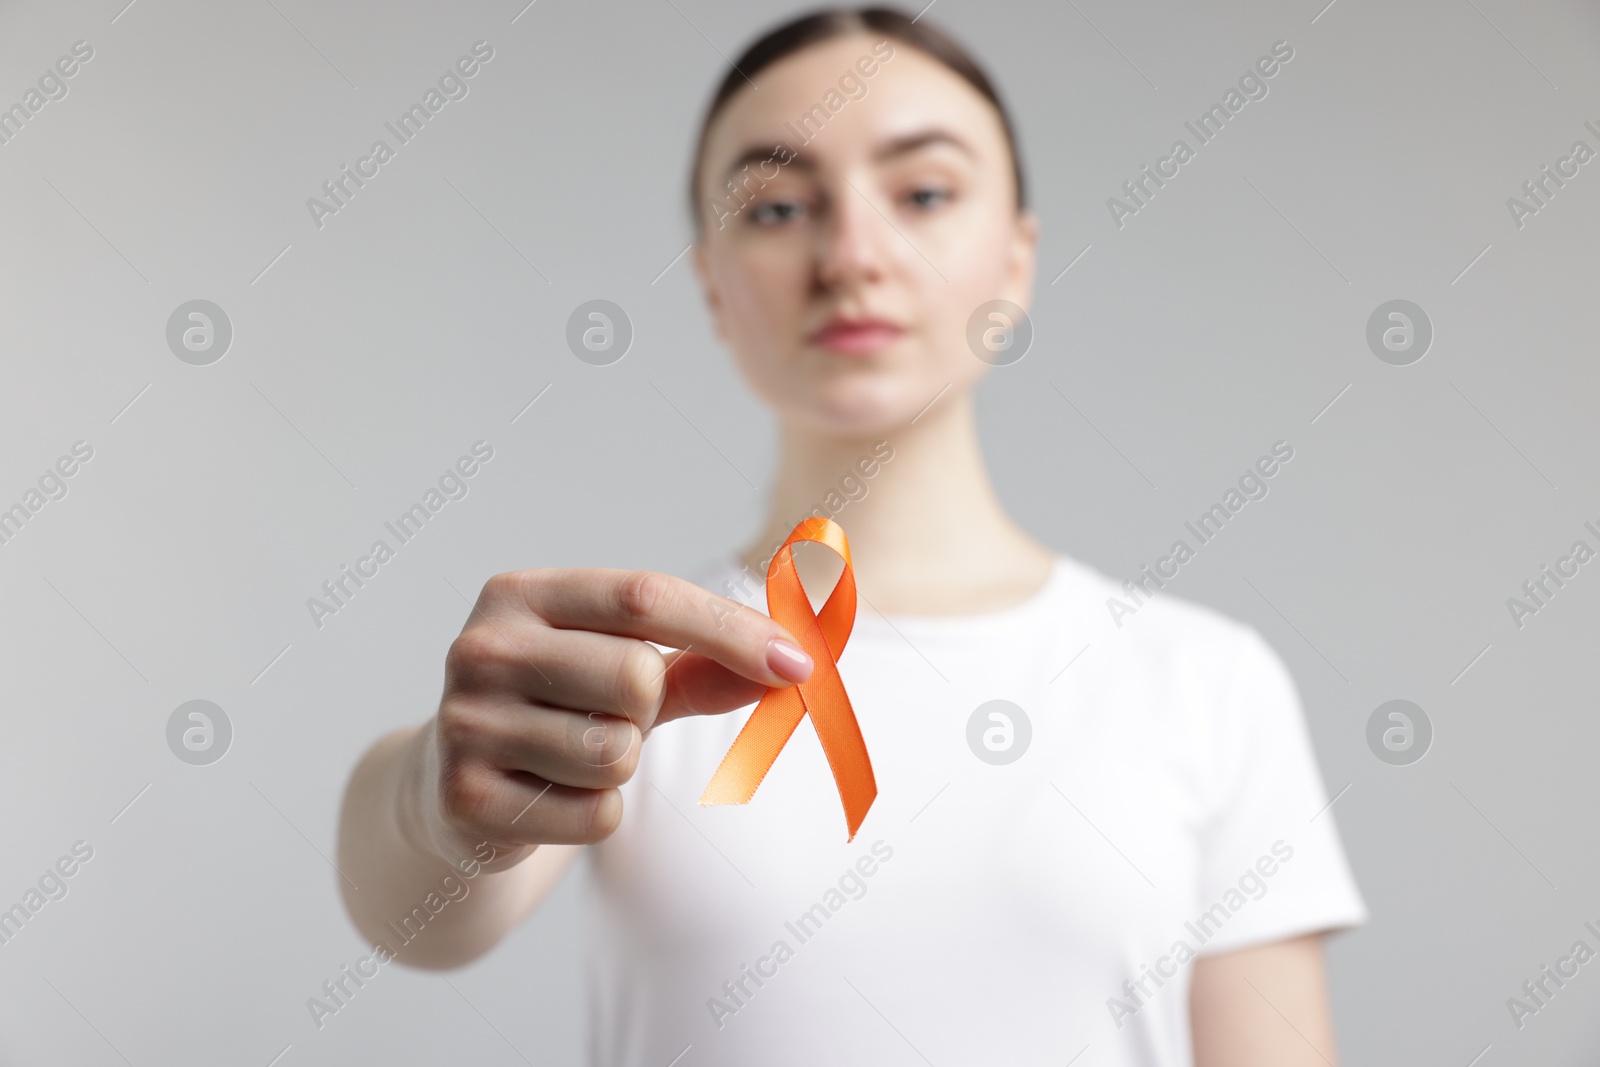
point(411, 799)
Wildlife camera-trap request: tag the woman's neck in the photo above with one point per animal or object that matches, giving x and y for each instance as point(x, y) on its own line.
point(928, 536)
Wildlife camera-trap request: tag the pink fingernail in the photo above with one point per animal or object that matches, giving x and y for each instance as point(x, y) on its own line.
point(787, 660)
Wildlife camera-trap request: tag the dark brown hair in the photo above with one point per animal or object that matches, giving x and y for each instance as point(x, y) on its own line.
point(827, 24)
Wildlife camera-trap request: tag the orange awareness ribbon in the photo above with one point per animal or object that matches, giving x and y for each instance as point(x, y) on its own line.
point(823, 636)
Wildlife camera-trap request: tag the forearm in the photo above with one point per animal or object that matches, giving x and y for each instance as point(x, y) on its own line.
point(436, 905)
point(1265, 1006)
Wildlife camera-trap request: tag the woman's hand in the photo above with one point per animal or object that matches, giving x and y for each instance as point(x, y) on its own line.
point(552, 687)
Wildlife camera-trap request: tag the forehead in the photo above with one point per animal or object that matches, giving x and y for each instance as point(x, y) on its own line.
point(907, 93)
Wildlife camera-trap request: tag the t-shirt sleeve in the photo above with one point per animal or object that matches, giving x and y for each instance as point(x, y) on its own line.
point(1270, 851)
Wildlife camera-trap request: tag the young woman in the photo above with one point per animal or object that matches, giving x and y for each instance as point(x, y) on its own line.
point(1129, 861)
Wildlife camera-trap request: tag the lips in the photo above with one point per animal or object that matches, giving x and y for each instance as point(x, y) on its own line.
point(857, 336)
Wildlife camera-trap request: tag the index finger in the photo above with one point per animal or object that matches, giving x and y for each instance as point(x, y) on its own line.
point(669, 611)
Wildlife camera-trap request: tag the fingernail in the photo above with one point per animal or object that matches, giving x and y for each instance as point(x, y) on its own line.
point(789, 661)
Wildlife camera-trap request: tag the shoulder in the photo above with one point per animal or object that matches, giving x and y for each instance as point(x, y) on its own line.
point(1183, 654)
point(1213, 692)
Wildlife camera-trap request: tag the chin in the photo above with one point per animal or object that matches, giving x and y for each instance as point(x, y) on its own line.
point(859, 405)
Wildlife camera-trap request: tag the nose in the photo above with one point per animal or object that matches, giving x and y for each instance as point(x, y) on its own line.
point(851, 246)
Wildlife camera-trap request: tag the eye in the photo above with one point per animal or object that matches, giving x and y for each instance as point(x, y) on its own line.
point(929, 197)
point(776, 212)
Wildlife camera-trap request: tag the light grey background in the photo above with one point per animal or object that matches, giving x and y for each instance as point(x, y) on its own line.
point(371, 353)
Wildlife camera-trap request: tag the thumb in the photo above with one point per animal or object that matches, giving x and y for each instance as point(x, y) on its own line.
point(699, 685)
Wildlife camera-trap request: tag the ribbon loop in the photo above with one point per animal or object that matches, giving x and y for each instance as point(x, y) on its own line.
point(823, 635)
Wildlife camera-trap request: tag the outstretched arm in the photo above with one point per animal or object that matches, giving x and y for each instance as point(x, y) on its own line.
point(1264, 1006)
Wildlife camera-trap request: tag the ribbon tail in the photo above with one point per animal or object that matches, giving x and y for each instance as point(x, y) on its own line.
point(846, 750)
point(756, 748)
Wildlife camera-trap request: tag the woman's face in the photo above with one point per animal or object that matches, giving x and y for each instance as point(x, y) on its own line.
point(842, 269)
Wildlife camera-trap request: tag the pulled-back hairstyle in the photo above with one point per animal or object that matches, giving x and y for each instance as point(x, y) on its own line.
point(827, 24)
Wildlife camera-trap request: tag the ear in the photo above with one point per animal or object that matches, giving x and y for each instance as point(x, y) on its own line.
point(708, 287)
point(1022, 259)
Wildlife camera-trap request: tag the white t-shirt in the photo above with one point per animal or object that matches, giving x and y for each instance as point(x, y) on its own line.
point(1166, 803)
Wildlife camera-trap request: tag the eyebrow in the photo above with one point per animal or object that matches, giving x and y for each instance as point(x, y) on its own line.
point(899, 146)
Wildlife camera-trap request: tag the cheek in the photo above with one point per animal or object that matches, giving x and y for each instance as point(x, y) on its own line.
point(763, 297)
point(763, 305)
point(976, 255)
point(974, 261)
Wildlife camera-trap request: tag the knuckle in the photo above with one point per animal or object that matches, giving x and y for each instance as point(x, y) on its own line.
point(465, 652)
point(508, 585)
point(457, 727)
point(639, 594)
point(464, 797)
point(637, 684)
point(602, 814)
point(477, 652)
point(608, 748)
point(627, 760)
